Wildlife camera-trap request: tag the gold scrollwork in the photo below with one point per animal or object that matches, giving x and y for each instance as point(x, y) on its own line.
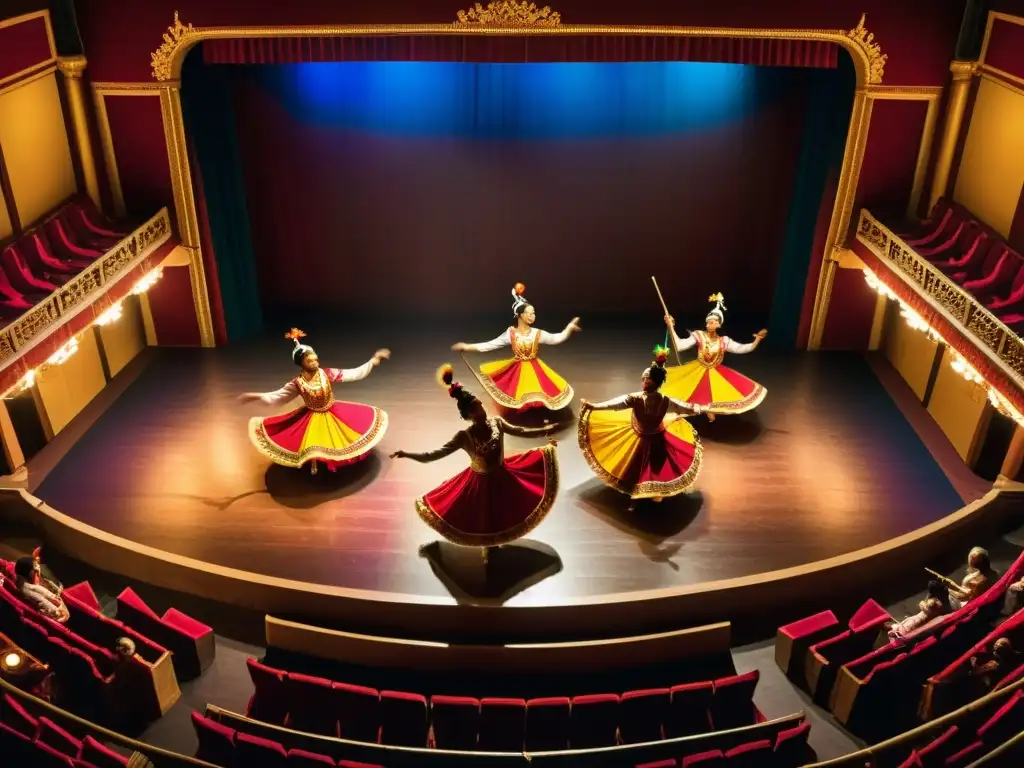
point(7, 350)
point(163, 57)
point(507, 13)
point(975, 320)
point(865, 40)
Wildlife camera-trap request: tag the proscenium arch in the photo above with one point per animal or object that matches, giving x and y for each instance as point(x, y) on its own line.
point(509, 18)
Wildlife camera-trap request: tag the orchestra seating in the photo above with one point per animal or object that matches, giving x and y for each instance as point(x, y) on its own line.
point(98, 685)
point(44, 258)
point(974, 256)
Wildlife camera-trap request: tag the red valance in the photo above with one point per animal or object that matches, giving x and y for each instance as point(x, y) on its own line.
point(967, 348)
point(522, 49)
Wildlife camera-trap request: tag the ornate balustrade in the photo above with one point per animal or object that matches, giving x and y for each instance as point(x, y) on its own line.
point(84, 289)
point(979, 327)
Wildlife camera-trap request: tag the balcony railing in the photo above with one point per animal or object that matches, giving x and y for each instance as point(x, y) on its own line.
point(966, 313)
point(83, 289)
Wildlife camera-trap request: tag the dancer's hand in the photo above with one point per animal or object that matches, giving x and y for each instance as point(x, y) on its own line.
point(460, 347)
point(248, 397)
point(381, 354)
point(761, 334)
point(711, 416)
point(552, 441)
point(584, 403)
point(398, 455)
point(574, 325)
point(670, 321)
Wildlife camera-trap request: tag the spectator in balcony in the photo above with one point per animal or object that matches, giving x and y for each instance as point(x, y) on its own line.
point(989, 668)
point(37, 594)
point(936, 603)
point(979, 578)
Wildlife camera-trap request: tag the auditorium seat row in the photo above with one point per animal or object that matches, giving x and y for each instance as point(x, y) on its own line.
point(46, 257)
point(234, 742)
point(29, 741)
point(321, 706)
point(974, 256)
point(99, 686)
point(880, 689)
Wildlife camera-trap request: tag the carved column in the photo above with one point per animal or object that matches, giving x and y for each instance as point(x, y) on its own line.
point(1014, 455)
point(72, 68)
point(959, 90)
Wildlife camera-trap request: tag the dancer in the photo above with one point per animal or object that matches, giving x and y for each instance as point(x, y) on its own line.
point(497, 499)
point(524, 381)
point(634, 448)
point(322, 429)
point(705, 381)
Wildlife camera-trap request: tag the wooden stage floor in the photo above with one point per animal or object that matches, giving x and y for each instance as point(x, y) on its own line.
point(827, 465)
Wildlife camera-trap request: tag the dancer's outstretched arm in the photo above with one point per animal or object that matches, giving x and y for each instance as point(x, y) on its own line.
point(483, 346)
point(558, 338)
point(618, 404)
point(447, 449)
point(684, 409)
point(742, 349)
point(680, 343)
point(281, 396)
point(355, 374)
point(518, 431)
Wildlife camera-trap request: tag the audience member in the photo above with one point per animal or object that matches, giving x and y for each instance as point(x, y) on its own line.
point(979, 578)
point(987, 669)
point(37, 594)
point(935, 604)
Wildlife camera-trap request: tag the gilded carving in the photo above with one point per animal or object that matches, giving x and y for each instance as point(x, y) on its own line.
point(872, 51)
point(7, 350)
point(35, 321)
point(163, 57)
point(506, 13)
point(966, 311)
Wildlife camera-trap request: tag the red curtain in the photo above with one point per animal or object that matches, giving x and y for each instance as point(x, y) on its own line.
point(965, 346)
point(522, 49)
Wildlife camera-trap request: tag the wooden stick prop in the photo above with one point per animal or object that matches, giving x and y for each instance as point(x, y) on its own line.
point(942, 578)
point(664, 306)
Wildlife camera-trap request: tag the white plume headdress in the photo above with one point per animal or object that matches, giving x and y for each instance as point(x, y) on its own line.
point(718, 311)
point(518, 300)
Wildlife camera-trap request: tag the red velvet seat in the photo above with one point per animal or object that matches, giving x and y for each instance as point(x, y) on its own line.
point(966, 756)
point(753, 754)
point(594, 721)
point(65, 247)
point(259, 752)
point(547, 724)
point(995, 280)
point(660, 764)
point(967, 254)
point(712, 758)
point(502, 725)
point(104, 658)
point(356, 764)
point(732, 705)
point(311, 704)
point(101, 756)
point(940, 214)
point(14, 746)
point(913, 761)
point(216, 741)
point(1006, 723)
point(17, 717)
point(456, 721)
point(267, 703)
point(824, 659)
point(792, 640)
point(42, 260)
point(791, 746)
point(300, 758)
point(935, 752)
point(43, 756)
point(84, 689)
point(191, 643)
point(403, 719)
point(947, 244)
point(21, 277)
point(52, 735)
point(643, 714)
point(1011, 678)
point(358, 712)
point(945, 227)
point(689, 709)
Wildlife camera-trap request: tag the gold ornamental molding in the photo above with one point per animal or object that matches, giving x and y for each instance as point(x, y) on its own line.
point(520, 18)
point(1001, 345)
point(508, 14)
point(84, 289)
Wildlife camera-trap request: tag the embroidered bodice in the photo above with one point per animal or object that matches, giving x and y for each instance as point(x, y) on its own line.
point(710, 352)
point(649, 410)
point(487, 453)
point(524, 345)
point(316, 393)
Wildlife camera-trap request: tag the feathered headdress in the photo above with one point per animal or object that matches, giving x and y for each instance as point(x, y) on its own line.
point(446, 378)
point(656, 371)
point(301, 350)
point(660, 354)
point(718, 311)
point(519, 302)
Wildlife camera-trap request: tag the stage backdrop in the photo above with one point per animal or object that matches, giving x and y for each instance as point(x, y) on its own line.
point(433, 187)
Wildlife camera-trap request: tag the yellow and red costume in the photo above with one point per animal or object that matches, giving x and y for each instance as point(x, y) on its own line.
point(523, 381)
point(706, 381)
point(323, 429)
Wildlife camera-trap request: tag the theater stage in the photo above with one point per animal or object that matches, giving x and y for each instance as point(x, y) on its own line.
point(827, 465)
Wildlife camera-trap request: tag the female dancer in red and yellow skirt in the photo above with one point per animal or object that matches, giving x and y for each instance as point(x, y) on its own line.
point(705, 381)
point(322, 429)
point(634, 448)
point(523, 381)
point(498, 499)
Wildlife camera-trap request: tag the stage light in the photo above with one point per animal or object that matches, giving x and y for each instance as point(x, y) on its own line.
point(113, 314)
point(147, 281)
point(63, 354)
point(13, 661)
